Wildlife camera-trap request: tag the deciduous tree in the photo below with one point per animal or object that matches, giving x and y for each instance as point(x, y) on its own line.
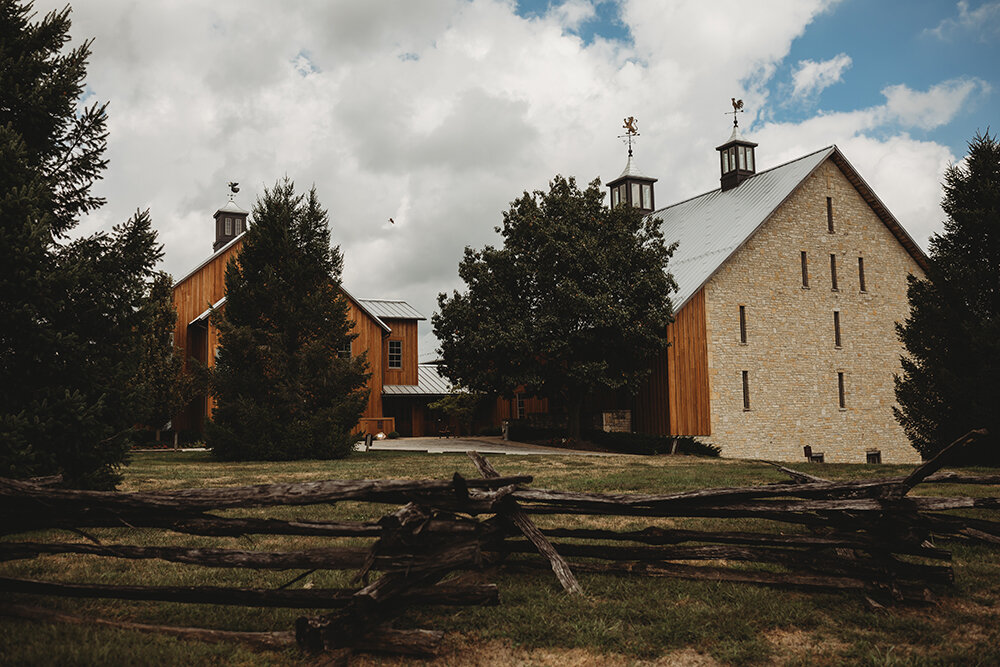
point(952, 336)
point(576, 300)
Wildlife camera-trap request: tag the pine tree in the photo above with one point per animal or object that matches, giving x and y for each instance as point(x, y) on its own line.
point(576, 301)
point(163, 382)
point(282, 389)
point(952, 336)
point(71, 311)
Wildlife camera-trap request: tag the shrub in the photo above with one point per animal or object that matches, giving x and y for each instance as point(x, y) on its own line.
point(642, 443)
point(393, 435)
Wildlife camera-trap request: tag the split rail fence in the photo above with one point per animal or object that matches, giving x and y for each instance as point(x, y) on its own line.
point(869, 536)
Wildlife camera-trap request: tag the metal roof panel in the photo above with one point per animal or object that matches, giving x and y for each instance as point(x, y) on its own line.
point(710, 227)
point(392, 309)
point(429, 383)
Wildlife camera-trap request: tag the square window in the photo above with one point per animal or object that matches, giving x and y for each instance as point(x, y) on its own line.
point(345, 350)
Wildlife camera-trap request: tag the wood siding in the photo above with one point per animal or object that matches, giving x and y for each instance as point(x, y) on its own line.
point(371, 339)
point(404, 331)
point(651, 406)
point(196, 293)
point(192, 297)
point(507, 407)
point(687, 370)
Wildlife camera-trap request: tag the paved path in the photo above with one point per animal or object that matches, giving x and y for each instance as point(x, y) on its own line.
point(483, 445)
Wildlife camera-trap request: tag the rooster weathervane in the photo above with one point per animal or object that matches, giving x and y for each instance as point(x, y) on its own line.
point(737, 109)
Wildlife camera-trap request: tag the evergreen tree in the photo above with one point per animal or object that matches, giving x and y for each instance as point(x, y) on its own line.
point(576, 301)
point(71, 311)
point(282, 389)
point(952, 336)
point(162, 380)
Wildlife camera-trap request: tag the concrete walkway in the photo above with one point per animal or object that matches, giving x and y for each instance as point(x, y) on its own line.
point(481, 444)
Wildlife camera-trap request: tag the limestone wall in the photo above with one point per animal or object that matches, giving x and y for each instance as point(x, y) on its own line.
point(790, 353)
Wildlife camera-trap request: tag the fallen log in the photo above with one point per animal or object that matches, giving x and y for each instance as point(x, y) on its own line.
point(314, 598)
point(31, 497)
point(910, 592)
point(262, 640)
point(825, 561)
point(662, 536)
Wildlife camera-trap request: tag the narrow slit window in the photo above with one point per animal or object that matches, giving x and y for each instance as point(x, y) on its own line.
point(520, 406)
point(805, 269)
point(833, 272)
point(861, 273)
point(829, 214)
point(746, 390)
point(836, 328)
point(841, 392)
point(743, 324)
point(395, 354)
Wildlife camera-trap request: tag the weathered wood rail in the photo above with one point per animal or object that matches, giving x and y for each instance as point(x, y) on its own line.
point(864, 536)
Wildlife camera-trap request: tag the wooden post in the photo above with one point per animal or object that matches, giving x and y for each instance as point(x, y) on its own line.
point(517, 515)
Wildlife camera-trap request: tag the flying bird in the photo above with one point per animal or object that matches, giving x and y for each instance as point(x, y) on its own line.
point(233, 187)
point(391, 221)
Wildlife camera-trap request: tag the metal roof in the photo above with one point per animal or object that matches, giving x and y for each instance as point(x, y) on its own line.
point(710, 227)
point(218, 304)
point(429, 383)
point(208, 311)
point(231, 207)
point(392, 309)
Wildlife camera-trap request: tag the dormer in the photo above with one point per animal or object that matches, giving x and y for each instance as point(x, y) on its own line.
point(736, 160)
point(633, 188)
point(230, 222)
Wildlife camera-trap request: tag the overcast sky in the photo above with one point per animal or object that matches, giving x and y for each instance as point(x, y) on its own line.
point(438, 113)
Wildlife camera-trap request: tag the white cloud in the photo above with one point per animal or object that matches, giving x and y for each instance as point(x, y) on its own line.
point(933, 108)
point(983, 23)
point(439, 113)
point(811, 78)
point(572, 14)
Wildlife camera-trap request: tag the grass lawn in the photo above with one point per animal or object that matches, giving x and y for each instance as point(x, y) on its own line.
point(619, 621)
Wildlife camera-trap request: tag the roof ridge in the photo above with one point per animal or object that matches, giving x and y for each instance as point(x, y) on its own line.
point(759, 173)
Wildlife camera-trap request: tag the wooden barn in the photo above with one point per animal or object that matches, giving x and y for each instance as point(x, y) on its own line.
point(387, 331)
point(791, 281)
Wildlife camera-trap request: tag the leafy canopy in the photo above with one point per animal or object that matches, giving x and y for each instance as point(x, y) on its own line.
point(282, 389)
point(952, 336)
point(71, 313)
point(575, 301)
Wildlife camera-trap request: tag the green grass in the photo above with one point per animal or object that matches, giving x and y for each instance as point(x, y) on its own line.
point(620, 620)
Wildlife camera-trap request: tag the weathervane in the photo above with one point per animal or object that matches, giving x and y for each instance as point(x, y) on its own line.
point(737, 109)
point(631, 127)
point(233, 189)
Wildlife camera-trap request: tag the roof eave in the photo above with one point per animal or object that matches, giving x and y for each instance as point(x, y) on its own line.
point(881, 210)
point(208, 261)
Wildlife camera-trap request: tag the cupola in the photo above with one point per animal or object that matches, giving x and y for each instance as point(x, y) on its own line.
point(736, 157)
point(230, 222)
point(632, 187)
